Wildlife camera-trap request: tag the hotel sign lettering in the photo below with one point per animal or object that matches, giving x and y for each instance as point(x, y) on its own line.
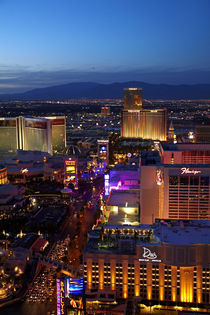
point(62, 294)
point(185, 170)
point(149, 256)
point(60, 297)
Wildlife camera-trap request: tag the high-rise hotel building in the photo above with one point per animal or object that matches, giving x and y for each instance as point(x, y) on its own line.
point(175, 183)
point(141, 123)
point(47, 134)
point(166, 261)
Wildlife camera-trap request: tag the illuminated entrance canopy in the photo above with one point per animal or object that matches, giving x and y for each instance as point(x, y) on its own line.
point(149, 256)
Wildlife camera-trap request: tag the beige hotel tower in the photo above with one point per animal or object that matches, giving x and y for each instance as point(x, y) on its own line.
point(141, 123)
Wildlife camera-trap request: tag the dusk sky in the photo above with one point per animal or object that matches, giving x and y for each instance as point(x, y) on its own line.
point(48, 42)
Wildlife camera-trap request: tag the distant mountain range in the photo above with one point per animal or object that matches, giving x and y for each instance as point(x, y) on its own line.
point(92, 90)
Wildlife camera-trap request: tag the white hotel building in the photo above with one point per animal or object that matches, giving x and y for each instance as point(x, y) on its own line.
point(175, 183)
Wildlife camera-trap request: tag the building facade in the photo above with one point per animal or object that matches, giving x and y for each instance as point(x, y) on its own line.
point(8, 135)
point(46, 134)
point(3, 175)
point(168, 261)
point(133, 98)
point(175, 183)
point(142, 123)
point(202, 133)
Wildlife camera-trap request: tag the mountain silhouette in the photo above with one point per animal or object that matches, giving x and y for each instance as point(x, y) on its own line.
point(91, 90)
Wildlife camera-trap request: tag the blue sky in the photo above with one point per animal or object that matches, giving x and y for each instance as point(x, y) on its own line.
point(44, 42)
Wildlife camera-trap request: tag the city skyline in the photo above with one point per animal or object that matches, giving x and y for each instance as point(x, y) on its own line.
point(48, 43)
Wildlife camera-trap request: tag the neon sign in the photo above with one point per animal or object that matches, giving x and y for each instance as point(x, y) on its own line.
point(159, 177)
point(149, 256)
point(186, 170)
point(24, 170)
point(70, 162)
point(58, 298)
point(72, 288)
point(106, 184)
point(62, 297)
point(75, 286)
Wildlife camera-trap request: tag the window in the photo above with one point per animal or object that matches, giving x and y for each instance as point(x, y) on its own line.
point(173, 180)
point(184, 180)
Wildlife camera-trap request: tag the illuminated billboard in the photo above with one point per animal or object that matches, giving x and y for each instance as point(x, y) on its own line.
point(70, 169)
point(70, 294)
point(103, 150)
point(70, 172)
point(75, 286)
point(106, 184)
point(61, 309)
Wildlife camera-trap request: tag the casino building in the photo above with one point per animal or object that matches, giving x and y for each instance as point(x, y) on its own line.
point(46, 134)
point(142, 123)
point(175, 183)
point(168, 261)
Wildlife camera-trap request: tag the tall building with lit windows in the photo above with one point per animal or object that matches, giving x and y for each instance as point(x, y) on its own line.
point(142, 123)
point(175, 182)
point(133, 98)
point(58, 131)
point(46, 134)
point(3, 175)
point(167, 261)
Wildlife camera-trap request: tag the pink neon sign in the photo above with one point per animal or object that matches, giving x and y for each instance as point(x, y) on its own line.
point(186, 170)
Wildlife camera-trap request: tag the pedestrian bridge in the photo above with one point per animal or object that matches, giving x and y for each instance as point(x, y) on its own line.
point(48, 262)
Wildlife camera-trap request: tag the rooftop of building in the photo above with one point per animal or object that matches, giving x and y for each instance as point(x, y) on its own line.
point(9, 189)
point(118, 239)
point(185, 146)
point(183, 232)
point(26, 241)
point(124, 198)
point(132, 89)
point(150, 158)
point(124, 167)
point(153, 158)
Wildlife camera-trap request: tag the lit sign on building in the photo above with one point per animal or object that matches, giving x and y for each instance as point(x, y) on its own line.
point(185, 170)
point(70, 175)
point(103, 149)
point(159, 177)
point(102, 152)
point(75, 286)
point(70, 169)
point(69, 294)
point(24, 170)
point(149, 256)
point(70, 162)
point(62, 298)
point(106, 184)
point(58, 298)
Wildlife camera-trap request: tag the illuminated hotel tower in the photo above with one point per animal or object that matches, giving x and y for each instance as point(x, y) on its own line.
point(133, 98)
point(141, 123)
